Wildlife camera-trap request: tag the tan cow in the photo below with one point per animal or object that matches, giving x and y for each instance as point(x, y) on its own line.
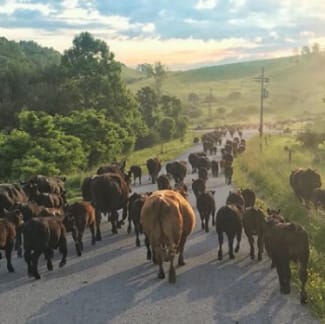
point(167, 219)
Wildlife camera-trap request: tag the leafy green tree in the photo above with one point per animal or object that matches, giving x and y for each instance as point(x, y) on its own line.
point(166, 130)
point(148, 105)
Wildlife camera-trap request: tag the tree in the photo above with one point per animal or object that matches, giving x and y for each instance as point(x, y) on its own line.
point(193, 98)
point(159, 75)
point(148, 105)
point(305, 51)
point(146, 68)
point(166, 130)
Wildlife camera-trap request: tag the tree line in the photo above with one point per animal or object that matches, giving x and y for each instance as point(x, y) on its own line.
point(64, 113)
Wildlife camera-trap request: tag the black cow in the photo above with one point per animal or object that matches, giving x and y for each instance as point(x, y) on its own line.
point(154, 167)
point(109, 193)
point(206, 206)
point(177, 169)
point(288, 242)
point(43, 235)
point(229, 221)
point(136, 171)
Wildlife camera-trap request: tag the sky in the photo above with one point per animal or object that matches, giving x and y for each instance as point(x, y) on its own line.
point(182, 34)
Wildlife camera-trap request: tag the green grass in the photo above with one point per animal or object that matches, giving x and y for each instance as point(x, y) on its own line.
point(268, 174)
point(294, 89)
point(171, 150)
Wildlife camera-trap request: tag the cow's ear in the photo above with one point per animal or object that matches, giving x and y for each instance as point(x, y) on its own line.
point(278, 211)
point(268, 211)
point(213, 192)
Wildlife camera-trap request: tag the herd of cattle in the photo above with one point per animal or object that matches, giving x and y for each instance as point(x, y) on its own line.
point(36, 212)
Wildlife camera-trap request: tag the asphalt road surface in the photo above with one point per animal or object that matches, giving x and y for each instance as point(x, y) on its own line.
point(114, 283)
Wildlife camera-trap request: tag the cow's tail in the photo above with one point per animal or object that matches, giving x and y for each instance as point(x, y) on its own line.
point(168, 226)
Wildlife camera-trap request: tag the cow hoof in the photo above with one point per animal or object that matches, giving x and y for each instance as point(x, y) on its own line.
point(79, 253)
point(114, 231)
point(137, 243)
point(10, 268)
point(303, 299)
point(252, 256)
point(148, 255)
point(93, 241)
point(237, 249)
point(161, 275)
point(98, 238)
point(259, 258)
point(172, 277)
point(231, 256)
point(129, 230)
point(62, 263)
point(19, 253)
point(49, 266)
point(181, 263)
point(37, 276)
point(219, 255)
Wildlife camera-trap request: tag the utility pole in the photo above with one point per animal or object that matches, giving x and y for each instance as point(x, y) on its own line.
point(264, 94)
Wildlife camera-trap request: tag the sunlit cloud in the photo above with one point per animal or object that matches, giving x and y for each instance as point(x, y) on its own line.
point(206, 4)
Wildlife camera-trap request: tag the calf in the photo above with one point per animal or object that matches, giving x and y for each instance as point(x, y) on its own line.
point(137, 173)
point(253, 222)
point(203, 173)
point(8, 227)
point(229, 221)
point(206, 206)
point(198, 186)
point(215, 168)
point(163, 182)
point(228, 174)
point(249, 197)
point(288, 242)
point(42, 235)
point(78, 217)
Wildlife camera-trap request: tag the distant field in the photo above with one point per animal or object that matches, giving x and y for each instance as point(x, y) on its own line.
point(296, 89)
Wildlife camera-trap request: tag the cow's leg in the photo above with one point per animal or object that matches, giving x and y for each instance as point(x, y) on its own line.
point(114, 218)
point(172, 272)
point(213, 217)
point(48, 256)
point(80, 235)
point(34, 261)
point(181, 250)
point(98, 220)
point(238, 237)
point(124, 216)
point(159, 260)
point(220, 239)
point(9, 249)
point(303, 278)
point(202, 219)
point(207, 218)
point(129, 224)
point(27, 257)
point(284, 273)
point(147, 243)
point(75, 237)
point(18, 242)
point(251, 244)
point(92, 231)
point(260, 247)
point(137, 232)
point(231, 237)
point(63, 250)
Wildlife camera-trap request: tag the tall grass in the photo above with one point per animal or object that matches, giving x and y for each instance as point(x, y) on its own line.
point(267, 172)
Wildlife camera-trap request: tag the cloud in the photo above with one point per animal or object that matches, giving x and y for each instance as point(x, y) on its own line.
point(10, 6)
point(206, 4)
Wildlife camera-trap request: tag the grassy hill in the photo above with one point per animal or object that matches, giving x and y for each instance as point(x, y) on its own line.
point(296, 88)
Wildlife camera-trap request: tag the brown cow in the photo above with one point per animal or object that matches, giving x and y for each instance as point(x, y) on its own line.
point(163, 182)
point(249, 197)
point(288, 242)
point(8, 227)
point(167, 219)
point(78, 217)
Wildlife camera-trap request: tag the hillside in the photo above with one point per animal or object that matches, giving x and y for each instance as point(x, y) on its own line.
point(295, 87)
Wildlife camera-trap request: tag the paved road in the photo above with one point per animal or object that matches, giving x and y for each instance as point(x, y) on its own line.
point(113, 283)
